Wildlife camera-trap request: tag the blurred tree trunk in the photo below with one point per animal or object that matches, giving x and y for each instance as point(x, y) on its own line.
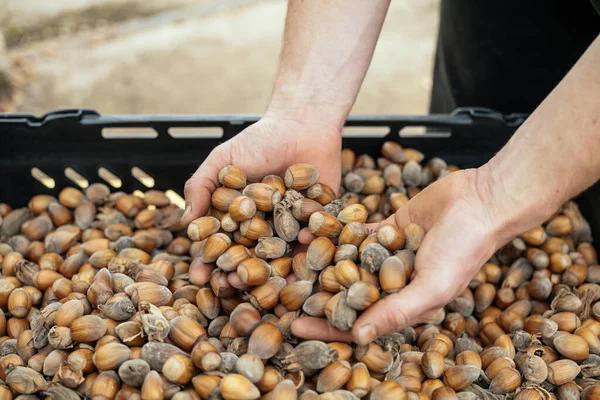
point(6, 87)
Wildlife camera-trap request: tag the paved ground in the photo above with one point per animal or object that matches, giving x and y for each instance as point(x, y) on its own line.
point(187, 56)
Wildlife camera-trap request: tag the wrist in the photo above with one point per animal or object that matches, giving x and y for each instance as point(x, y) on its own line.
point(302, 103)
point(513, 200)
point(307, 115)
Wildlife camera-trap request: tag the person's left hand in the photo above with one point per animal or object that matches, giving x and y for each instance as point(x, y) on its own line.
point(463, 231)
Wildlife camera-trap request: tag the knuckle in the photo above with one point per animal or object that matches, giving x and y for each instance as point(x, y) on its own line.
point(394, 317)
point(189, 183)
point(444, 295)
point(444, 298)
point(443, 290)
point(189, 186)
point(331, 332)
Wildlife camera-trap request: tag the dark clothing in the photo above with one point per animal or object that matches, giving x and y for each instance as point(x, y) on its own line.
point(508, 55)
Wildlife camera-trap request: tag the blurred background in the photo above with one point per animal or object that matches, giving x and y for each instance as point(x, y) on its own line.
point(187, 56)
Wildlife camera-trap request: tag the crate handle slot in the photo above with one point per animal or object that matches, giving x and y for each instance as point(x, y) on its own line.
point(43, 178)
point(143, 177)
point(424, 131)
point(365, 131)
point(175, 198)
point(129, 133)
point(207, 132)
point(110, 178)
point(76, 178)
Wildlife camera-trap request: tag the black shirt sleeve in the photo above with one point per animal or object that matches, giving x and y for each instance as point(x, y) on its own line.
point(508, 54)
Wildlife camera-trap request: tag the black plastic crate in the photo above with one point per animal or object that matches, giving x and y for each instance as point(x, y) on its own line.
point(174, 145)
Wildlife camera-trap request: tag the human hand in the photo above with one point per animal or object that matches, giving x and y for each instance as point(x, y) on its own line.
point(269, 146)
point(464, 225)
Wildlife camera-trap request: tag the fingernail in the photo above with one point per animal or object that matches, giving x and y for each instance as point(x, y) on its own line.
point(188, 209)
point(367, 334)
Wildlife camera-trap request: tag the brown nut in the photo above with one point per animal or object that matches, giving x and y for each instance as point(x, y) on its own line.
point(294, 295)
point(276, 182)
point(390, 237)
point(201, 228)
point(265, 341)
point(236, 386)
point(232, 177)
point(320, 253)
point(303, 208)
point(322, 223)
point(222, 198)
point(353, 213)
point(242, 208)
point(321, 193)
point(392, 275)
point(88, 328)
point(361, 295)
point(253, 271)
point(301, 176)
point(264, 196)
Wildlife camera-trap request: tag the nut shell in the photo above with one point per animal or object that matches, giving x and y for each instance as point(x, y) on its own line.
point(361, 295)
point(334, 376)
point(322, 223)
point(222, 198)
point(562, 371)
point(232, 177)
point(254, 271)
point(300, 176)
point(265, 341)
point(572, 346)
point(391, 237)
point(294, 296)
point(264, 196)
point(242, 208)
point(201, 228)
point(238, 387)
point(392, 275)
point(320, 253)
point(353, 213)
point(88, 328)
point(433, 365)
point(111, 356)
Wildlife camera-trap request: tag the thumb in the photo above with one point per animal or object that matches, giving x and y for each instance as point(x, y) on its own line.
point(421, 209)
point(198, 188)
point(444, 265)
point(403, 309)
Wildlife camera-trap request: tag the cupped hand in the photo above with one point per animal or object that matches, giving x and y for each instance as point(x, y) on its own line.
point(463, 231)
point(269, 146)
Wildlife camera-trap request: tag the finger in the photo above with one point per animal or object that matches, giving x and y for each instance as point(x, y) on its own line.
point(299, 248)
point(372, 227)
point(426, 207)
point(291, 278)
point(401, 218)
point(280, 310)
point(234, 280)
point(444, 265)
point(200, 272)
point(198, 188)
point(305, 237)
point(224, 287)
point(312, 328)
point(402, 309)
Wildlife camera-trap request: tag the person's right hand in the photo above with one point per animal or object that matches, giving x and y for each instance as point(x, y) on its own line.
point(269, 146)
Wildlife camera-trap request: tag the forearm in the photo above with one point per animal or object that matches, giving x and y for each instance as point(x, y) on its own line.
point(327, 48)
point(554, 155)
